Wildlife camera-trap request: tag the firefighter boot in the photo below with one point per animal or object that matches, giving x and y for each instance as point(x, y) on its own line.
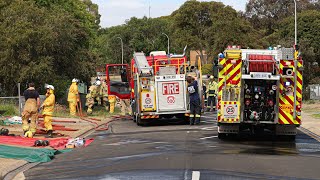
point(191, 121)
point(49, 134)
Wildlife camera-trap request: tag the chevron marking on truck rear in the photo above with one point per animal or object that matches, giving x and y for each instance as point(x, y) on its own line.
point(229, 74)
point(286, 102)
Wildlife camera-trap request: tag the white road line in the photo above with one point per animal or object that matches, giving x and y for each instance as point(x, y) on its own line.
point(195, 175)
point(209, 128)
point(209, 137)
point(208, 120)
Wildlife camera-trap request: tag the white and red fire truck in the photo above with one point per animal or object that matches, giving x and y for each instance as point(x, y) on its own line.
point(158, 85)
point(258, 90)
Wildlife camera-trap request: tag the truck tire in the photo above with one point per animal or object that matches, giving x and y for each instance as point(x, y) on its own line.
point(138, 120)
point(134, 117)
point(291, 137)
point(222, 135)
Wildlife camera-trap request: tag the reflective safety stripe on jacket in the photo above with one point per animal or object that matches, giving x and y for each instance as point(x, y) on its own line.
point(48, 105)
point(213, 88)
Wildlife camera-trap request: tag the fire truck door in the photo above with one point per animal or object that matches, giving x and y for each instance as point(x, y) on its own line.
point(117, 80)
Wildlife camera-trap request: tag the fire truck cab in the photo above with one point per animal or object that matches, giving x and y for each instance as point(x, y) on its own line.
point(259, 89)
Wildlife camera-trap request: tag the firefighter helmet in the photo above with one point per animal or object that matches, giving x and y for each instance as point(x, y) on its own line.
point(75, 80)
point(45, 143)
point(4, 132)
point(38, 142)
point(28, 134)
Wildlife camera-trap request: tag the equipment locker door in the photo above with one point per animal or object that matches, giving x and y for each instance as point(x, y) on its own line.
point(171, 93)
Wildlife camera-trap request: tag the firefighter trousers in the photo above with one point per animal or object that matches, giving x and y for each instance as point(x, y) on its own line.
point(195, 112)
point(30, 111)
point(73, 107)
point(211, 103)
point(47, 119)
point(125, 106)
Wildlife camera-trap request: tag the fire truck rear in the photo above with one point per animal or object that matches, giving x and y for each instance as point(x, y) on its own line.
point(159, 86)
point(258, 90)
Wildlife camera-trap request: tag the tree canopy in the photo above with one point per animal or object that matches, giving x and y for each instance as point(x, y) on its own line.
point(45, 40)
point(53, 41)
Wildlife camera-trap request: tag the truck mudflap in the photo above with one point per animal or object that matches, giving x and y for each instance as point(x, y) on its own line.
point(286, 130)
point(228, 128)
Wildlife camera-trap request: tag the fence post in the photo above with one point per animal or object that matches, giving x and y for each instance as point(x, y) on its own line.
point(19, 98)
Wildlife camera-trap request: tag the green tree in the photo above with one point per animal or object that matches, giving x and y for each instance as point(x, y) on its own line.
point(211, 26)
point(137, 34)
point(264, 14)
point(45, 40)
point(308, 38)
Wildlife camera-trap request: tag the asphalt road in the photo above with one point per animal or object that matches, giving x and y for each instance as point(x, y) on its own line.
point(169, 150)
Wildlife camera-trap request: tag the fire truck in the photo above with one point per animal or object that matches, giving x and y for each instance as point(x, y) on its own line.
point(259, 90)
point(158, 85)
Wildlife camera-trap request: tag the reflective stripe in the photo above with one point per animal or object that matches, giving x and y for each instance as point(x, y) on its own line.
point(198, 115)
point(191, 115)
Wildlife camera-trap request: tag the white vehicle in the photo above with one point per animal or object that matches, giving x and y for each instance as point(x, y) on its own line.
point(159, 87)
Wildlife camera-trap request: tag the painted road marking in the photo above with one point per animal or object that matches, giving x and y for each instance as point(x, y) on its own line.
point(209, 137)
point(195, 175)
point(209, 128)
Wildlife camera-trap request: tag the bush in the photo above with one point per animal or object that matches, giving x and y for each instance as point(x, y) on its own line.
point(207, 69)
point(9, 110)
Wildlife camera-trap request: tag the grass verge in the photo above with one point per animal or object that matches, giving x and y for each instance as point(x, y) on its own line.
point(9, 110)
point(316, 116)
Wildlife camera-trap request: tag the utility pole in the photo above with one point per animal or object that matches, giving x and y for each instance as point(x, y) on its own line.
point(168, 42)
point(295, 58)
point(149, 9)
point(121, 49)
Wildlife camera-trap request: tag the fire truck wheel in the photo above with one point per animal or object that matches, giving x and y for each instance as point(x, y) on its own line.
point(292, 137)
point(134, 117)
point(221, 135)
point(187, 119)
point(138, 120)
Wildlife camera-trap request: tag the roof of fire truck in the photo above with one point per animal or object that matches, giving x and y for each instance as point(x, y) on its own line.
point(277, 54)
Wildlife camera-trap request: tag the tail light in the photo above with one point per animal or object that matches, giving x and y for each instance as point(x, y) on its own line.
point(270, 102)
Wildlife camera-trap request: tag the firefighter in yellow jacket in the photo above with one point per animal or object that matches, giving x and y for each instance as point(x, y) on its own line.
point(73, 97)
point(211, 91)
point(48, 109)
point(93, 94)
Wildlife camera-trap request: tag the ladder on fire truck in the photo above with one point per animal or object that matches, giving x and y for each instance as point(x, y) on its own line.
point(142, 64)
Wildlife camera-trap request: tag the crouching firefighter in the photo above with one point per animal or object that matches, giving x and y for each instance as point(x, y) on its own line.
point(195, 105)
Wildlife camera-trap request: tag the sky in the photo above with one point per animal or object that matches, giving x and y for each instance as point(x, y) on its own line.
point(116, 12)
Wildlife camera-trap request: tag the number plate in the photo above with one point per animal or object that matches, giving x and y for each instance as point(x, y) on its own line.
point(260, 75)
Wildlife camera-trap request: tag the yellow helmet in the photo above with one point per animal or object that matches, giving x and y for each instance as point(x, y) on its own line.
point(28, 134)
point(211, 77)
